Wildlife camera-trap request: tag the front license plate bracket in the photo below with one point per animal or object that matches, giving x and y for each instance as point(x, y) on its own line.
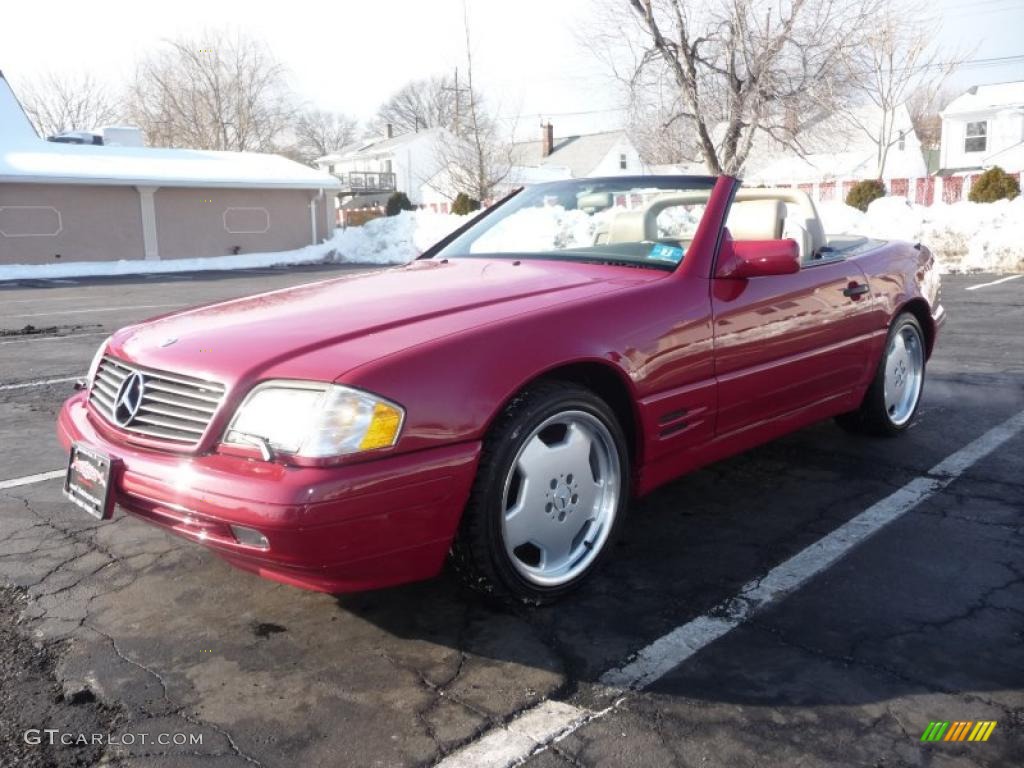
point(87, 483)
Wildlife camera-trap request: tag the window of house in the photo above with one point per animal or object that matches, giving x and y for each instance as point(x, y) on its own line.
point(387, 166)
point(976, 136)
point(903, 141)
point(622, 162)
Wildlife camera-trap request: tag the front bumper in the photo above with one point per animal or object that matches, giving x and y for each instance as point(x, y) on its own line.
point(331, 529)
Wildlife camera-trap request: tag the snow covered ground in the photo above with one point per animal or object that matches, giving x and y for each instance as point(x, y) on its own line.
point(965, 237)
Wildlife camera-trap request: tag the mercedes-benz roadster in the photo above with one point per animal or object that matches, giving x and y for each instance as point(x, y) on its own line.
point(501, 399)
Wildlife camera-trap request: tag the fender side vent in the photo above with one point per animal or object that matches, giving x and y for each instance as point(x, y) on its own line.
point(673, 429)
point(668, 418)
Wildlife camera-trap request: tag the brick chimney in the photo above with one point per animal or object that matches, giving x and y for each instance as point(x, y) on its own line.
point(547, 139)
point(391, 130)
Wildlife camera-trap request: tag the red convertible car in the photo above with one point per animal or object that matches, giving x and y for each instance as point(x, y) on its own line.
point(501, 399)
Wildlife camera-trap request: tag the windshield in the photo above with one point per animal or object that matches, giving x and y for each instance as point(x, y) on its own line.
point(643, 221)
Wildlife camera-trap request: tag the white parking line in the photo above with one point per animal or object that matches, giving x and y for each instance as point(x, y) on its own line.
point(994, 282)
point(540, 726)
point(41, 298)
point(96, 309)
point(30, 479)
point(38, 383)
point(32, 337)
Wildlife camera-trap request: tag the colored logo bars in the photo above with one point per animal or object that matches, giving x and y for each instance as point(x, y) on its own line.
point(958, 730)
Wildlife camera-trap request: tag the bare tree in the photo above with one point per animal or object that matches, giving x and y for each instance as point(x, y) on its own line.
point(924, 104)
point(898, 58)
point(318, 133)
point(477, 158)
point(56, 103)
point(419, 104)
point(737, 66)
point(659, 138)
point(217, 91)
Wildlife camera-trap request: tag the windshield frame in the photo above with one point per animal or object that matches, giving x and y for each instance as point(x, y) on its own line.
point(678, 183)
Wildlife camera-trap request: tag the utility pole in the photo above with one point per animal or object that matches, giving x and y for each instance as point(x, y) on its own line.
point(458, 103)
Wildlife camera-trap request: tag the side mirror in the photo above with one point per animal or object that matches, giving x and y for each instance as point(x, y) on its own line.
point(757, 258)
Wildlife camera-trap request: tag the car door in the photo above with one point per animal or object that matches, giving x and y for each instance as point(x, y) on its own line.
point(789, 342)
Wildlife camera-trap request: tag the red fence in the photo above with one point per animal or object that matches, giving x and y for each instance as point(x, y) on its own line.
point(925, 190)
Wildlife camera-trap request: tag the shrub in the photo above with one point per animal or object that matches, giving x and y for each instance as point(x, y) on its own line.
point(464, 204)
point(994, 184)
point(397, 203)
point(863, 192)
point(360, 216)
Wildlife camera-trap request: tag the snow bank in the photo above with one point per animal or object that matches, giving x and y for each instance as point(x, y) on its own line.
point(964, 236)
point(394, 240)
point(552, 227)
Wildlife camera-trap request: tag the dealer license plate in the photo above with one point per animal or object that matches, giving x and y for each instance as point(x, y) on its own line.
point(87, 482)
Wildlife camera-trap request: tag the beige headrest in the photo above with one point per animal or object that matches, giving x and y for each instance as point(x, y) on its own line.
point(627, 227)
point(756, 220)
point(595, 201)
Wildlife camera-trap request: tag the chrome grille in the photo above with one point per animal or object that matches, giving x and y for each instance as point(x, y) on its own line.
point(173, 406)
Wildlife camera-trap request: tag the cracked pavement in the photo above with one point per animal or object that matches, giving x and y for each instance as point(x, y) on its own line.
point(135, 631)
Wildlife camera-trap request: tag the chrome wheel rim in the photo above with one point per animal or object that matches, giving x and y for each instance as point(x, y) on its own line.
point(904, 374)
point(560, 498)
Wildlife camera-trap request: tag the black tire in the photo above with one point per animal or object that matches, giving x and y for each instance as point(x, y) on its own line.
point(478, 552)
point(872, 417)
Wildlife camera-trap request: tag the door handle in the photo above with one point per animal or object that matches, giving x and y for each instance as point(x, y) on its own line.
point(855, 290)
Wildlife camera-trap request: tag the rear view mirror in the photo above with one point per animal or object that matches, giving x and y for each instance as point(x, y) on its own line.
point(757, 258)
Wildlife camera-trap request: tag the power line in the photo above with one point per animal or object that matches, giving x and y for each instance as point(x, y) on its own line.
point(973, 4)
point(970, 63)
point(975, 13)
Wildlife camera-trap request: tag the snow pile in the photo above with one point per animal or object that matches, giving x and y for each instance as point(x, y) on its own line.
point(964, 236)
point(394, 240)
point(538, 229)
point(553, 227)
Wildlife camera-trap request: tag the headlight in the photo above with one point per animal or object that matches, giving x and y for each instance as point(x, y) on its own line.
point(316, 420)
point(95, 364)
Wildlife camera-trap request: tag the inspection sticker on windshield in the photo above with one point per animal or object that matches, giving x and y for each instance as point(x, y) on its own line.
point(663, 252)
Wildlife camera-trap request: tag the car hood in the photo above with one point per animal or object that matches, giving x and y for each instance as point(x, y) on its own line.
point(311, 325)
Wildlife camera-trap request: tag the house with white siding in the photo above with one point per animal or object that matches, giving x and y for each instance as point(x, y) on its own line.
point(376, 167)
point(608, 153)
point(984, 127)
point(551, 158)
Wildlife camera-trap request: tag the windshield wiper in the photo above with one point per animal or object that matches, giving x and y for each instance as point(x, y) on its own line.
point(622, 262)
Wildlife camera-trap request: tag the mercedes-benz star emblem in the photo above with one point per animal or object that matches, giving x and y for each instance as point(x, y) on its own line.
point(562, 497)
point(129, 399)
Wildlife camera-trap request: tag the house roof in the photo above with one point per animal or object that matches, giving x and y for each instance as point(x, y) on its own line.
point(378, 146)
point(836, 146)
point(14, 123)
point(378, 200)
point(986, 98)
point(26, 158)
point(580, 154)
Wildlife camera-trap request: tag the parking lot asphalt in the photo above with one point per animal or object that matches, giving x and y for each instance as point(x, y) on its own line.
point(119, 627)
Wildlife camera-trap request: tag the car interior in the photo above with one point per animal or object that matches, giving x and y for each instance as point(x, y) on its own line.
point(756, 214)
